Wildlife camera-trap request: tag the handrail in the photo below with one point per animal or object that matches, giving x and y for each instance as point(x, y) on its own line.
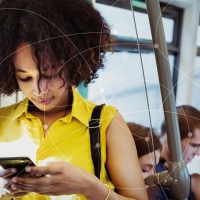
point(177, 177)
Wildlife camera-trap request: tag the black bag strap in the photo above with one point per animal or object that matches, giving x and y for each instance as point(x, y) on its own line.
point(95, 144)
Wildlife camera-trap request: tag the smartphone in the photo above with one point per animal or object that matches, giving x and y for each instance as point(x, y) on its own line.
point(19, 163)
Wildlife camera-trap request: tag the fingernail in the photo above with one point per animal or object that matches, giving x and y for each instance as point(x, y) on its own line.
point(14, 180)
point(27, 169)
point(13, 187)
point(37, 174)
point(13, 170)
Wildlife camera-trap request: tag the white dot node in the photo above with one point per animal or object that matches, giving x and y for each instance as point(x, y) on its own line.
point(156, 46)
point(189, 134)
point(45, 126)
point(176, 180)
point(97, 145)
point(147, 139)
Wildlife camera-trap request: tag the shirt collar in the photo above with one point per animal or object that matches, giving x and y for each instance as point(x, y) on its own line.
point(21, 108)
point(79, 109)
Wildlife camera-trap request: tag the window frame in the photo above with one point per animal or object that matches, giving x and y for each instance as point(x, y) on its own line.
point(122, 43)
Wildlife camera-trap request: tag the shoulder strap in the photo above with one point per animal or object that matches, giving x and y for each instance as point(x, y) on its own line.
point(95, 144)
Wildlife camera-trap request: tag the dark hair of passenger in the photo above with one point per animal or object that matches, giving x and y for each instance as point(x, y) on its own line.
point(77, 45)
point(188, 119)
point(144, 142)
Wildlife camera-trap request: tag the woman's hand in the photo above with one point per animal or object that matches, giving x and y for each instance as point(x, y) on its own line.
point(58, 178)
point(5, 174)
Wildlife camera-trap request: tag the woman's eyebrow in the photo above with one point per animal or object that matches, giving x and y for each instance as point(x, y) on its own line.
point(195, 144)
point(21, 70)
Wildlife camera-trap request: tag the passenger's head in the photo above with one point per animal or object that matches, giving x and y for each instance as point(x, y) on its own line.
point(146, 143)
point(189, 124)
point(49, 45)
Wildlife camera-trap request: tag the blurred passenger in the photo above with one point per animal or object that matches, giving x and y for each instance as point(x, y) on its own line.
point(189, 124)
point(148, 149)
point(147, 143)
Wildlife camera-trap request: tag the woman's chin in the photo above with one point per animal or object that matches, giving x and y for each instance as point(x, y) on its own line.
point(44, 108)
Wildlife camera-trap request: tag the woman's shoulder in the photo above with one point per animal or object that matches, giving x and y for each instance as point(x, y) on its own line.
point(10, 108)
point(107, 110)
point(13, 109)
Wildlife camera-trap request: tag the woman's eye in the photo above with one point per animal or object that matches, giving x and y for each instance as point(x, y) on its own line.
point(144, 170)
point(25, 79)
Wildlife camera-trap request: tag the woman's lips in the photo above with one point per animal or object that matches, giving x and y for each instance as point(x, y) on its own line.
point(44, 101)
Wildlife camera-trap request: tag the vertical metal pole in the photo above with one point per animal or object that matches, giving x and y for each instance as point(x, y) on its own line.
point(165, 78)
point(180, 185)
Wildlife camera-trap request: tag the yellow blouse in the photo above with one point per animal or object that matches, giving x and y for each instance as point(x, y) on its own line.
point(67, 139)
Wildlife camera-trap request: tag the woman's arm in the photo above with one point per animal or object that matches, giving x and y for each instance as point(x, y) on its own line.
point(122, 165)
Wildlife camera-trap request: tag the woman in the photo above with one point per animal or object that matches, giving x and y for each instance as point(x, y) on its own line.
point(47, 49)
point(189, 125)
point(148, 149)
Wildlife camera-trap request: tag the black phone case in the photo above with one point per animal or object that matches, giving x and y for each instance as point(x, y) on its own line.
point(20, 163)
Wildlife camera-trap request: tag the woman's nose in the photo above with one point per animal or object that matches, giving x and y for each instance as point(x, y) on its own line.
point(197, 152)
point(36, 89)
point(40, 87)
point(43, 84)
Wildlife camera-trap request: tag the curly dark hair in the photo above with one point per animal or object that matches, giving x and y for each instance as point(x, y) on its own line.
point(67, 34)
point(140, 134)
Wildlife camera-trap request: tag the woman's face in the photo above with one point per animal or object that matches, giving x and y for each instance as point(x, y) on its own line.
point(147, 163)
point(191, 146)
point(48, 94)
